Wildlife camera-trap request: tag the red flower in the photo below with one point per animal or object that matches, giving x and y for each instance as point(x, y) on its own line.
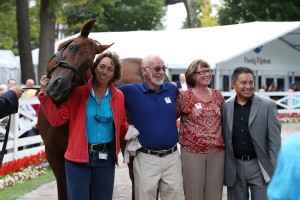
point(16, 165)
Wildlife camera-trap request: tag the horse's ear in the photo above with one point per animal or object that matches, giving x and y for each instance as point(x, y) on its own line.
point(86, 29)
point(101, 47)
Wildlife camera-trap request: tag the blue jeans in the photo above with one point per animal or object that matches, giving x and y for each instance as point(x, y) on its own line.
point(98, 173)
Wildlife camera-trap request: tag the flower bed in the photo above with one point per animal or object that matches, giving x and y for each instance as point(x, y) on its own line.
point(24, 169)
point(289, 117)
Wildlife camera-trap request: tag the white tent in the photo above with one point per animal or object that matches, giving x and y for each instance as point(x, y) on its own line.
point(215, 44)
point(219, 45)
point(9, 67)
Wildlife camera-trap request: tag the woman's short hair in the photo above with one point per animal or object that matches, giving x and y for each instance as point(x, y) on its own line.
point(116, 60)
point(189, 74)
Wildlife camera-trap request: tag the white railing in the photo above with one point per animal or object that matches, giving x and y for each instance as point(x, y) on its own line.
point(288, 102)
point(16, 145)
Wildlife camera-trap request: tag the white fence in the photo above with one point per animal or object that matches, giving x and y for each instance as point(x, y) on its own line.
point(16, 146)
point(288, 102)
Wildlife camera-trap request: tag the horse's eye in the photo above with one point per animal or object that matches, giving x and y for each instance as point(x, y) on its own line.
point(71, 47)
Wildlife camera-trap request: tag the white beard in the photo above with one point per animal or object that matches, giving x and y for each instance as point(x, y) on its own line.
point(156, 79)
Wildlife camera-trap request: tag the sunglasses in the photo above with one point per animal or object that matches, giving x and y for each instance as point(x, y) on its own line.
point(103, 119)
point(157, 68)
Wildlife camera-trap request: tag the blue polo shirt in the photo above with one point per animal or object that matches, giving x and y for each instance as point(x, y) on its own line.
point(153, 113)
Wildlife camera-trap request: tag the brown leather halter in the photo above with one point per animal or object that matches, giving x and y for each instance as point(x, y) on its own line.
point(64, 64)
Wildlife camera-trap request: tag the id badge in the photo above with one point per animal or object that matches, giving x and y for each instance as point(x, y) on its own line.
point(103, 155)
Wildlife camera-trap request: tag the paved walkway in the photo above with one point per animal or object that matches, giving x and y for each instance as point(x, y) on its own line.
point(122, 189)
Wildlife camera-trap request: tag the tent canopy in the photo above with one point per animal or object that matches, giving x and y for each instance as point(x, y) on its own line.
point(214, 44)
point(9, 67)
point(8, 60)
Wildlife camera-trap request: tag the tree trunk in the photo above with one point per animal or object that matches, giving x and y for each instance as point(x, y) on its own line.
point(193, 21)
point(47, 36)
point(24, 44)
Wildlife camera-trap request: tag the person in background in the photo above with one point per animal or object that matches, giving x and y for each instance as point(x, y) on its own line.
point(29, 92)
point(9, 103)
point(273, 88)
point(263, 88)
point(152, 108)
point(293, 88)
point(181, 83)
point(2, 88)
point(251, 129)
point(97, 121)
point(10, 83)
point(201, 138)
point(285, 182)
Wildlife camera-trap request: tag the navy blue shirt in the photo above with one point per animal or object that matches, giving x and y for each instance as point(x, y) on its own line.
point(153, 114)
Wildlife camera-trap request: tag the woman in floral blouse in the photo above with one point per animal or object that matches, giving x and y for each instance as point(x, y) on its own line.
point(201, 139)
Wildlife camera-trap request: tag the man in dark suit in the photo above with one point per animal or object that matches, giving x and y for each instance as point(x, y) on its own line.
point(251, 129)
point(181, 83)
point(9, 101)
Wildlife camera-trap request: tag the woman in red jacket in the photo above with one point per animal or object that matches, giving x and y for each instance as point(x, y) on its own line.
point(97, 121)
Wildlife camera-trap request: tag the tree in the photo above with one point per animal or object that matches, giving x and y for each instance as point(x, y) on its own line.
point(191, 10)
point(205, 17)
point(47, 34)
point(199, 14)
point(24, 40)
point(132, 15)
point(8, 32)
point(115, 15)
point(236, 11)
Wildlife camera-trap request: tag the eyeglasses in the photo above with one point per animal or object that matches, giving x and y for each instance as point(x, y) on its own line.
point(157, 68)
point(202, 72)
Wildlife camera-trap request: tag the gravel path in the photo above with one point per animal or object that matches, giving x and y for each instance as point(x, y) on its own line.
point(122, 189)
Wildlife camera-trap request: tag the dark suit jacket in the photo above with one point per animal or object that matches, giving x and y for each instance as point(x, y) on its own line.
point(8, 103)
point(179, 85)
point(264, 126)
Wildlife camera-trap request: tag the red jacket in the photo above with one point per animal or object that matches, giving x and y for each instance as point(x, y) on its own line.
point(74, 110)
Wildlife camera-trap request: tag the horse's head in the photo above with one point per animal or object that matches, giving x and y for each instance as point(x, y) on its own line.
point(70, 63)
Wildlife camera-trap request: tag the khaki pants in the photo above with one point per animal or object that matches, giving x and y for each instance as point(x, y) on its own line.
point(152, 172)
point(203, 175)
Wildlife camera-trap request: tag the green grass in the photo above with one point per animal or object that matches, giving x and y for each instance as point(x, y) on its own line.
point(14, 192)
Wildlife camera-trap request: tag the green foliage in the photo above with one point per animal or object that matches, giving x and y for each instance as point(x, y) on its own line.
point(111, 15)
point(205, 18)
point(132, 15)
point(34, 24)
point(8, 33)
point(236, 11)
point(203, 9)
point(115, 15)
